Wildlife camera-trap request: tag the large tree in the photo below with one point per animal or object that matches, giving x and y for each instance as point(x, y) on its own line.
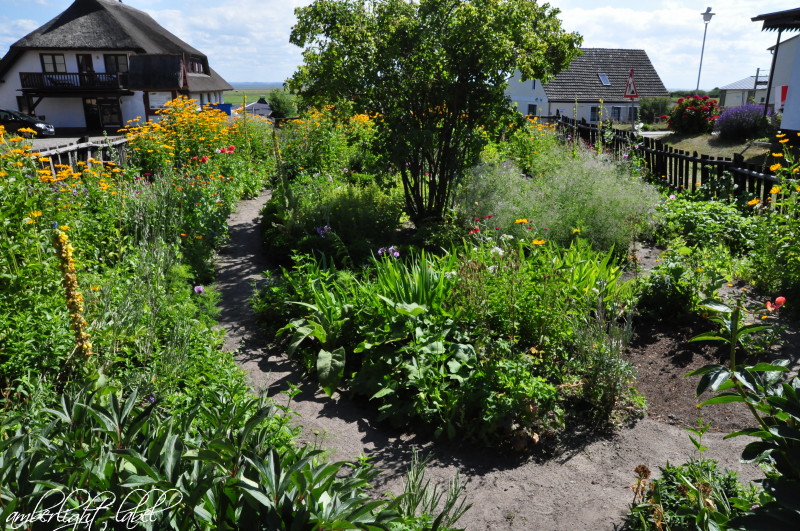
point(433, 71)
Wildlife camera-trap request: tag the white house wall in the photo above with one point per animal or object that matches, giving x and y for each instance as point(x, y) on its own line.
point(526, 93)
point(62, 112)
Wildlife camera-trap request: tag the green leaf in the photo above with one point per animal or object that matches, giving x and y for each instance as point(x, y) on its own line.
point(715, 306)
point(713, 379)
point(726, 398)
point(413, 309)
point(703, 370)
point(330, 369)
point(767, 367)
point(383, 392)
point(708, 336)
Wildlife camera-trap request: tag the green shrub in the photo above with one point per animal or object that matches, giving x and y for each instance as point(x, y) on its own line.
point(654, 107)
point(331, 216)
point(282, 104)
point(706, 223)
point(585, 195)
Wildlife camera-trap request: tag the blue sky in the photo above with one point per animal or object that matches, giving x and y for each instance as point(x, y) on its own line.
point(248, 40)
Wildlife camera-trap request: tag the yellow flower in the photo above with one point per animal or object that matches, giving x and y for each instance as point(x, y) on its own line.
point(753, 202)
point(521, 220)
point(777, 155)
point(64, 227)
point(576, 231)
point(36, 214)
point(538, 242)
point(775, 190)
point(95, 288)
point(783, 141)
point(775, 167)
point(780, 135)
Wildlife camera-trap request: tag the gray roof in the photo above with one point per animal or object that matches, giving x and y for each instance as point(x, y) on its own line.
point(748, 83)
point(580, 81)
point(105, 25)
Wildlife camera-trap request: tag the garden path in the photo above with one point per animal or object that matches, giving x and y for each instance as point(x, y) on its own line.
point(583, 488)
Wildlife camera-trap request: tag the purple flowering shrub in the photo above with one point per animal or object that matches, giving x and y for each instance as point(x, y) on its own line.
point(740, 123)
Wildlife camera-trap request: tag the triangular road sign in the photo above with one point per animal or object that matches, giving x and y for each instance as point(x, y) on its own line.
point(630, 87)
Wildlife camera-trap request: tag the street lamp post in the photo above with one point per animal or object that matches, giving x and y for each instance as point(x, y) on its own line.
point(706, 18)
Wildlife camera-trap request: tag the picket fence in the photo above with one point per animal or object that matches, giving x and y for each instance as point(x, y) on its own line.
point(675, 168)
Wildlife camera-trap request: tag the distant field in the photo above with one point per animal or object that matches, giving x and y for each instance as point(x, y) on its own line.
point(250, 94)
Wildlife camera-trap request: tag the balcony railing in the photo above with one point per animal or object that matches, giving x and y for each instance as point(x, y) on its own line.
point(58, 82)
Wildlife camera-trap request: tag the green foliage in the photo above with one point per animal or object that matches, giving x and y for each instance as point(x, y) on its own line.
point(282, 104)
point(224, 464)
point(683, 278)
point(694, 495)
point(584, 195)
point(654, 107)
point(472, 344)
point(457, 56)
point(331, 215)
point(776, 258)
point(707, 223)
point(774, 404)
point(693, 115)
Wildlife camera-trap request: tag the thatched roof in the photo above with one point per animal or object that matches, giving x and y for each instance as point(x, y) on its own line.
point(107, 25)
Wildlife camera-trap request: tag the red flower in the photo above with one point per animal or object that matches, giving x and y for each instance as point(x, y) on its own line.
point(473, 231)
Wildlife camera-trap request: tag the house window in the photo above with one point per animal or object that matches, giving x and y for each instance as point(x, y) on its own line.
point(116, 63)
point(196, 65)
point(533, 85)
point(604, 80)
point(633, 114)
point(85, 64)
point(53, 62)
point(531, 109)
point(616, 113)
point(593, 114)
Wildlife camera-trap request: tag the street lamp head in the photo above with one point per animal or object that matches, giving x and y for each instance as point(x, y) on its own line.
point(707, 15)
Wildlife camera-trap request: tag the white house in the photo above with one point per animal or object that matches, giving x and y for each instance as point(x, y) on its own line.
point(784, 86)
point(101, 63)
point(751, 89)
point(597, 75)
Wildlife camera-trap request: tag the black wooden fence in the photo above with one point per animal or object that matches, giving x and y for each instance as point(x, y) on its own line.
point(676, 168)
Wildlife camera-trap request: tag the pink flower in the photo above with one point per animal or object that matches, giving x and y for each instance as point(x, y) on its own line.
point(779, 301)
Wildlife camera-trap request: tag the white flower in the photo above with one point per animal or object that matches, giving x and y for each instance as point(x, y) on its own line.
point(497, 251)
point(492, 269)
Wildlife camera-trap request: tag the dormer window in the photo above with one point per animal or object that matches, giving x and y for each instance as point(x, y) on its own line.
point(196, 65)
point(604, 79)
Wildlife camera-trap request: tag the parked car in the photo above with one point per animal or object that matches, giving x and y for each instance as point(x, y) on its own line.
point(13, 121)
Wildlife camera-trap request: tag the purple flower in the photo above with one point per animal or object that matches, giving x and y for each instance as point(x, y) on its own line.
point(199, 289)
point(323, 231)
point(152, 399)
point(391, 251)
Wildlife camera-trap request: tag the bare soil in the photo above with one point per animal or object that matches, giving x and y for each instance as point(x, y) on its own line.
point(583, 487)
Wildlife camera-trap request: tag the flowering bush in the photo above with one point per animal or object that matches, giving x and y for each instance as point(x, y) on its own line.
point(694, 115)
point(746, 121)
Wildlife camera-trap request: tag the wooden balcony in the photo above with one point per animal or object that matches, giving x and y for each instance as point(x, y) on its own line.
point(73, 83)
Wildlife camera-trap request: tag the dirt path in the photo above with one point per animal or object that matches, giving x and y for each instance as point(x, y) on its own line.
point(584, 489)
